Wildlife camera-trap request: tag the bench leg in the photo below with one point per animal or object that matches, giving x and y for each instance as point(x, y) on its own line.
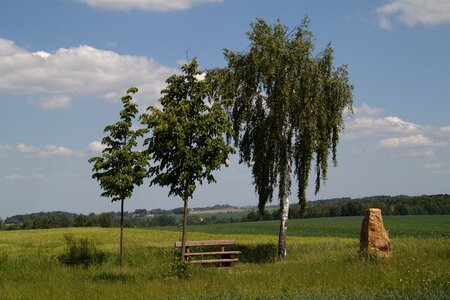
point(227, 256)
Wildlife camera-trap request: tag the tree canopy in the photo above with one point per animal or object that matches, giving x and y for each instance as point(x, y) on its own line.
point(120, 167)
point(188, 136)
point(287, 110)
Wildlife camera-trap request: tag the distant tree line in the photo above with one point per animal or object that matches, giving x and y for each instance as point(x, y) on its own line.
point(138, 218)
point(179, 210)
point(389, 205)
point(59, 219)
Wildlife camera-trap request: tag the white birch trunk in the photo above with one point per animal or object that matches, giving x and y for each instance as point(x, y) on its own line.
point(284, 207)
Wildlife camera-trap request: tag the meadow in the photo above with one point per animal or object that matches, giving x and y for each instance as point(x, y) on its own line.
point(323, 262)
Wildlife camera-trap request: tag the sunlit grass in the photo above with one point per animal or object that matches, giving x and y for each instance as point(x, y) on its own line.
point(321, 266)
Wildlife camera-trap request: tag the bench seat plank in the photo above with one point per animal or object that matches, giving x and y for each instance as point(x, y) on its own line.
point(212, 253)
point(206, 243)
point(213, 261)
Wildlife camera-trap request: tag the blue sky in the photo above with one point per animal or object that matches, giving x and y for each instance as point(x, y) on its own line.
point(64, 64)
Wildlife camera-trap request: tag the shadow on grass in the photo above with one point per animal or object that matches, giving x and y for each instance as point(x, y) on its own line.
point(259, 253)
point(114, 277)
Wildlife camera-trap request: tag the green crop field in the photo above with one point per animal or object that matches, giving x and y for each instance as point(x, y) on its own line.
point(397, 226)
point(323, 262)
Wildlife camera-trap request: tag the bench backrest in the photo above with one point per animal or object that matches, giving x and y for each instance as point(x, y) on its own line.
point(206, 243)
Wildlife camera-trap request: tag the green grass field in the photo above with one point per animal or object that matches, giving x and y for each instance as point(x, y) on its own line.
point(323, 262)
point(397, 226)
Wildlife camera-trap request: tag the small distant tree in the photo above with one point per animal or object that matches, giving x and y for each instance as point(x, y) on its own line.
point(106, 219)
point(1, 223)
point(120, 167)
point(188, 141)
point(82, 221)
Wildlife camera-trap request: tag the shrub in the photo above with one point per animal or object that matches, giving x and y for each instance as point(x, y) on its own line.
point(178, 267)
point(81, 252)
point(260, 253)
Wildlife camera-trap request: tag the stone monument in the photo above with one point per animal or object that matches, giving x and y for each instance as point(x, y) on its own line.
point(374, 238)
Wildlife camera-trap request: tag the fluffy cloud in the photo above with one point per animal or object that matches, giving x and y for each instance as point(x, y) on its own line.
point(52, 150)
point(445, 129)
point(16, 177)
point(435, 167)
point(5, 150)
point(96, 146)
point(47, 151)
point(22, 148)
point(418, 153)
point(414, 12)
point(56, 103)
point(370, 131)
point(55, 78)
point(366, 126)
point(412, 141)
point(156, 5)
point(366, 110)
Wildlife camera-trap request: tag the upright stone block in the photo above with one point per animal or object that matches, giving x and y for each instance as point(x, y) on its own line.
point(374, 238)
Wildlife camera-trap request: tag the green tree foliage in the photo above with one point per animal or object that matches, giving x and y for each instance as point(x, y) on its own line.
point(120, 167)
point(389, 205)
point(106, 219)
point(287, 110)
point(187, 142)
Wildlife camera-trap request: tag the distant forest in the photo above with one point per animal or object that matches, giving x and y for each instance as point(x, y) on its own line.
point(390, 205)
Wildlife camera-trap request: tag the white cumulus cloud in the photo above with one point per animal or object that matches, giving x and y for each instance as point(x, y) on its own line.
point(434, 167)
point(366, 110)
point(5, 150)
point(414, 12)
point(445, 129)
point(83, 71)
point(16, 177)
point(411, 141)
point(96, 146)
point(19, 177)
point(367, 126)
point(47, 151)
point(52, 150)
point(22, 148)
point(418, 153)
point(56, 103)
point(155, 5)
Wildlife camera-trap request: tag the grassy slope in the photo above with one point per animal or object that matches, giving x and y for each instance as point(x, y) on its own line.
point(320, 263)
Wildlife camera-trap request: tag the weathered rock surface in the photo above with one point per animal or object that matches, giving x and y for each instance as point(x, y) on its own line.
point(374, 238)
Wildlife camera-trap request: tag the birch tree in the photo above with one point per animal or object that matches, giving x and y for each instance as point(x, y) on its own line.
point(120, 167)
point(287, 111)
point(187, 141)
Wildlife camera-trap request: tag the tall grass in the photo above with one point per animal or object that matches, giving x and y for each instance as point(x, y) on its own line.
point(322, 266)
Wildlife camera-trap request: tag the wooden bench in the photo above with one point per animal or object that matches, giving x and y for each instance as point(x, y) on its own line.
point(221, 256)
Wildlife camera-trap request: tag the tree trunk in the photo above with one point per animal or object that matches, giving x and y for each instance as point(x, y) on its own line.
point(121, 234)
point(284, 203)
point(285, 190)
point(185, 219)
